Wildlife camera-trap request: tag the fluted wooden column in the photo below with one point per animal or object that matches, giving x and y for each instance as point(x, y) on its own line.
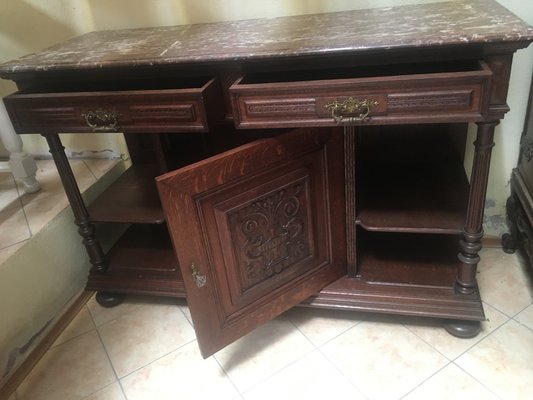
point(349, 186)
point(473, 230)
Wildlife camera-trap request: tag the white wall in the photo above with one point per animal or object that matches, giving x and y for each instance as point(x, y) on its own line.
point(30, 25)
point(507, 138)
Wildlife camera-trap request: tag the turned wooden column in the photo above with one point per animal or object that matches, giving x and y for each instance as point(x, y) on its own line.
point(81, 215)
point(473, 230)
point(350, 132)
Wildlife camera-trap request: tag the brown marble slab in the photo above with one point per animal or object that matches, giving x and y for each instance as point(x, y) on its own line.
point(436, 24)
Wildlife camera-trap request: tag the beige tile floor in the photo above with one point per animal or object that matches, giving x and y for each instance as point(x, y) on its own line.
point(22, 215)
point(146, 349)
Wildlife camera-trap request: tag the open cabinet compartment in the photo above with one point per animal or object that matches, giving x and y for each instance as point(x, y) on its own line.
point(265, 230)
point(143, 261)
point(411, 201)
point(411, 178)
point(241, 269)
point(407, 259)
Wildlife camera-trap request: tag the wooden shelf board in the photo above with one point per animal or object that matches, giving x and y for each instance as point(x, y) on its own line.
point(407, 198)
point(142, 261)
point(403, 274)
point(357, 295)
point(132, 198)
point(408, 259)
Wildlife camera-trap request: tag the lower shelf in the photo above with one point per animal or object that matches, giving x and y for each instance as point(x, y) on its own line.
point(408, 259)
point(429, 198)
point(406, 274)
point(357, 295)
point(390, 279)
point(141, 262)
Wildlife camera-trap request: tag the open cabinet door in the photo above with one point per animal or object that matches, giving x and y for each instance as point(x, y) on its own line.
point(257, 230)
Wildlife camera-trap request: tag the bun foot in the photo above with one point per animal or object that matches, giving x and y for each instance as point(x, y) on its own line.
point(463, 329)
point(108, 300)
point(508, 243)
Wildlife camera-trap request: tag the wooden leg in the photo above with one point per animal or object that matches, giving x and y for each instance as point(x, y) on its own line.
point(81, 215)
point(463, 329)
point(473, 231)
point(108, 300)
point(510, 240)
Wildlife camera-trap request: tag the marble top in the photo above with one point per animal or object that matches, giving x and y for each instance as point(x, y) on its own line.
point(435, 24)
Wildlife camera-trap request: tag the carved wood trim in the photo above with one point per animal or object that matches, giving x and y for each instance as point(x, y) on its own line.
point(425, 100)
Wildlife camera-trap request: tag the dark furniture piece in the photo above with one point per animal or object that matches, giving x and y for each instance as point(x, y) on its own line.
point(312, 160)
point(520, 204)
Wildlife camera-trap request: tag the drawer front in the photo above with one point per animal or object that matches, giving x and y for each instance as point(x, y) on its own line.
point(417, 98)
point(143, 111)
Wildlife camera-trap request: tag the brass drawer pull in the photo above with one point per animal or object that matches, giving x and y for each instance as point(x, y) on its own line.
point(101, 120)
point(342, 111)
point(199, 280)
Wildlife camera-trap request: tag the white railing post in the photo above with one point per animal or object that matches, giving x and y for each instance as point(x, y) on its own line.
point(21, 164)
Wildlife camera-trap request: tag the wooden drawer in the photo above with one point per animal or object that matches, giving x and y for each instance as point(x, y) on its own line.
point(441, 92)
point(182, 109)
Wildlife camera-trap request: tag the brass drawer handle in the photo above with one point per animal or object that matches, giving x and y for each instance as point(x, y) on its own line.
point(199, 280)
point(101, 120)
point(341, 110)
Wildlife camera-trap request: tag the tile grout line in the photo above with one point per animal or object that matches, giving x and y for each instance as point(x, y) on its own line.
point(482, 340)
point(430, 345)
point(14, 244)
point(474, 378)
point(108, 357)
point(452, 361)
point(510, 316)
point(90, 170)
point(319, 349)
point(76, 336)
point(19, 195)
point(463, 352)
point(157, 359)
point(366, 317)
point(427, 379)
point(97, 390)
point(22, 205)
point(143, 366)
point(275, 373)
point(521, 324)
point(32, 234)
point(520, 312)
point(151, 362)
point(227, 376)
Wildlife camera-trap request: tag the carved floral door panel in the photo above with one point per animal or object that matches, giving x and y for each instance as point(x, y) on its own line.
point(257, 230)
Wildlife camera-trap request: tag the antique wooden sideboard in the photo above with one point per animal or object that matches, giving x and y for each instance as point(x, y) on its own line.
point(312, 160)
point(520, 203)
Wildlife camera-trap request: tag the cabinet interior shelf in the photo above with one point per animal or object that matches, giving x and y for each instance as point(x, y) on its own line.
point(403, 273)
point(408, 259)
point(142, 260)
point(428, 198)
point(132, 198)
